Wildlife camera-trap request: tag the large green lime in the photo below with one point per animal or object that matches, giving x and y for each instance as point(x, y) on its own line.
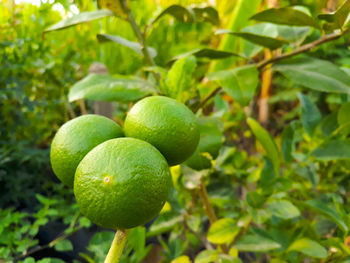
point(165, 123)
point(75, 139)
point(122, 183)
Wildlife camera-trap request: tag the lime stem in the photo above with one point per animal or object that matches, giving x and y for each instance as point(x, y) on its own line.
point(117, 247)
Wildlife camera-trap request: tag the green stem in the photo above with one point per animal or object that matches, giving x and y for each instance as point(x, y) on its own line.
point(117, 246)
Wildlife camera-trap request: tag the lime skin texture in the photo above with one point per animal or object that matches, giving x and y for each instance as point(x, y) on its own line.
point(122, 183)
point(75, 139)
point(166, 124)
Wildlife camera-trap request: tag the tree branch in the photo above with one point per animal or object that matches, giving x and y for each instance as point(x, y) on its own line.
point(262, 64)
point(303, 49)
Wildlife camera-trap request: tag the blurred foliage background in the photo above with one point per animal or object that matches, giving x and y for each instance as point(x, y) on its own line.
point(278, 191)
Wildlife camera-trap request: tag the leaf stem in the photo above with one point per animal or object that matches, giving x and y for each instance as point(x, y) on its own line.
point(137, 31)
point(117, 247)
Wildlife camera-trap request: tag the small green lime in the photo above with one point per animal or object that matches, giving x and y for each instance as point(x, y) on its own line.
point(166, 124)
point(75, 139)
point(122, 183)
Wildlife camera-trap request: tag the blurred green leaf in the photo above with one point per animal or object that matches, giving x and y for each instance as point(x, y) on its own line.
point(310, 114)
point(343, 118)
point(240, 83)
point(211, 139)
point(206, 53)
point(208, 14)
point(287, 143)
point(330, 213)
point(265, 41)
point(308, 247)
point(177, 11)
point(339, 17)
point(315, 74)
point(64, 245)
point(332, 150)
point(285, 16)
point(223, 231)
point(266, 141)
point(178, 81)
point(256, 243)
point(283, 209)
point(207, 256)
point(135, 46)
point(110, 88)
point(80, 18)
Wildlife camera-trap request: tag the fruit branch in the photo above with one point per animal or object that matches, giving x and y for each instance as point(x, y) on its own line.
point(137, 31)
point(206, 203)
point(262, 64)
point(117, 246)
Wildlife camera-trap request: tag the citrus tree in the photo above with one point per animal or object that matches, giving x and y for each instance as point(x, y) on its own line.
point(269, 85)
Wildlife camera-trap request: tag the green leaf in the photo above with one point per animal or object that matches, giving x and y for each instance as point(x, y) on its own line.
point(205, 53)
point(207, 256)
point(339, 17)
point(327, 211)
point(240, 83)
point(80, 18)
point(310, 115)
point(179, 77)
point(256, 243)
point(207, 14)
point(266, 141)
point(308, 247)
point(64, 245)
point(283, 209)
point(238, 19)
point(293, 34)
point(110, 88)
point(102, 38)
point(267, 175)
point(265, 41)
point(211, 139)
point(223, 231)
point(343, 114)
point(332, 150)
point(177, 11)
point(315, 74)
point(287, 143)
point(285, 16)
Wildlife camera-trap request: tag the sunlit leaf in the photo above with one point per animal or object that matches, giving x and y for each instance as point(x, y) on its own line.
point(223, 231)
point(80, 18)
point(256, 243)
point(285, 16)
point(240, 83)
point(308, 247)
point(110, 88)
point(135, 46)
point(316, 74)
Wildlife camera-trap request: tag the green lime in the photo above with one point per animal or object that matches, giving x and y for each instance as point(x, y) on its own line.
point(166, 124)
point(122, 183)
point(75, 139)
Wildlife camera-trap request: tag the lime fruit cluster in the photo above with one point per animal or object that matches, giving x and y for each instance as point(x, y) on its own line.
point(122, 182)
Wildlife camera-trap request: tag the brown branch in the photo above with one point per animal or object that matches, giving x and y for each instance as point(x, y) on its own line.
point(206, 99)
point(302, 49)
point(206, 203)
point(262, 64)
